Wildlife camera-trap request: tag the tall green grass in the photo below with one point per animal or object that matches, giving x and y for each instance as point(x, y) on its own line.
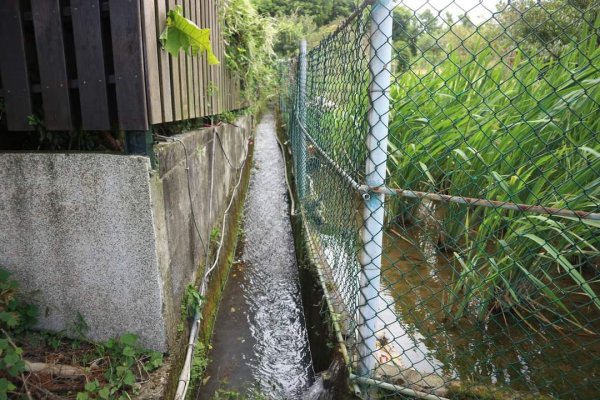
point(524, 130)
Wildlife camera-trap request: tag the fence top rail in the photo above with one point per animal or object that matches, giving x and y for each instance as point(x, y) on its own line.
point(471, 201)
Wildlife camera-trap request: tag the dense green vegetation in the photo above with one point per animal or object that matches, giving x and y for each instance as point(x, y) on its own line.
point(322, 12)
point(537, 28)
point(258, 33)
point(302, 19)
point(503, 109)
point(249, 50)
point(513, 120)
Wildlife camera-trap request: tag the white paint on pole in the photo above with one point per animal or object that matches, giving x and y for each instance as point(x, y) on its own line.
point(302, 117)
point(372, 232)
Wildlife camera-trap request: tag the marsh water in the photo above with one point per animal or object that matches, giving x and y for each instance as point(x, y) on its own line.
point(505, 350)
point(416, 280)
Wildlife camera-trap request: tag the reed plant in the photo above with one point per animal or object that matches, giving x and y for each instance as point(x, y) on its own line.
point(520, 129)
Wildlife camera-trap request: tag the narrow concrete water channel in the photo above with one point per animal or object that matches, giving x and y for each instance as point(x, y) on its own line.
point(260, 341)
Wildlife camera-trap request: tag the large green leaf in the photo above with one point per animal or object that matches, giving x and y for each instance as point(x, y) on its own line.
point(181, 33)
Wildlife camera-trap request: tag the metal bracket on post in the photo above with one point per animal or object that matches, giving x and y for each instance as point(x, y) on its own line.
point(373, 214)
point(141, 142)
point(302, 118)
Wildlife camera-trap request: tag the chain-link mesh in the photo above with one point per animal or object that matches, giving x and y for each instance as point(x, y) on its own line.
point(489, 246)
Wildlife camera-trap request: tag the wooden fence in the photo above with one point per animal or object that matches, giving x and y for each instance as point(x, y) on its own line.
point(97, 65)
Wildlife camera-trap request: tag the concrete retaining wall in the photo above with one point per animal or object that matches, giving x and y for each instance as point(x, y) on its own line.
point(207, 161)
point(107, 238)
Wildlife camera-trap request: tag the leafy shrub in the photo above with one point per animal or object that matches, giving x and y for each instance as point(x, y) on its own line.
point(15, 315)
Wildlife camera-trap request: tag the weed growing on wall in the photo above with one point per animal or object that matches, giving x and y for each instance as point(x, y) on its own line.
point(192, 302)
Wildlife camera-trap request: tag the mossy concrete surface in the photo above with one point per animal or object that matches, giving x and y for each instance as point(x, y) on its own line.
point(108, 240)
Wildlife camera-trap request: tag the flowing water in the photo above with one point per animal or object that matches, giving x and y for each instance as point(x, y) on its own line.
point(260, 339)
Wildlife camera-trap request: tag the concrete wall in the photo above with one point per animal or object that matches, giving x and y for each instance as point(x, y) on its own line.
point(108, 238)
point(207, 161)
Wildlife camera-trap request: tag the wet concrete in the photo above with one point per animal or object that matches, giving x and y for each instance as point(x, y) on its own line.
point(260, 342)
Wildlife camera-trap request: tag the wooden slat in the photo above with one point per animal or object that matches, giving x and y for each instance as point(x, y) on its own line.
point(165, 68)
point(219, 68)
point(175, 80)
point(238, 88)
point(235, 94)
point(209, 83)
point(89, 56)
point(151, 49)
point(216, 68)
point(191, 77)
point(201, 73)
point(13, 67)
point(226, 91)
point(223, 90)
point(224, 80)
point(164, 65)
point(232, 85)
point(189, 69)
point(212, 74)
point(183, 80)
point(47, 25)
point(194, 8)
point(230, 91)
point(233, 91)
point(204, 65)
point(126, 31)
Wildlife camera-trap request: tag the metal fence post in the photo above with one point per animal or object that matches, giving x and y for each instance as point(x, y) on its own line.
point(301, 109)
point(372, 232)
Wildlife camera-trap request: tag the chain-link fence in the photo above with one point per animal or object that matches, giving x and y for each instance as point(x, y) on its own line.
point(447, 162)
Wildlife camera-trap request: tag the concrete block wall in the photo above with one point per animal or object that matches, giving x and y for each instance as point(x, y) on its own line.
point(108, 238)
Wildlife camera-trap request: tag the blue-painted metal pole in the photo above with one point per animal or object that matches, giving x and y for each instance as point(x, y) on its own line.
point(301, 109)
point(372, 232)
